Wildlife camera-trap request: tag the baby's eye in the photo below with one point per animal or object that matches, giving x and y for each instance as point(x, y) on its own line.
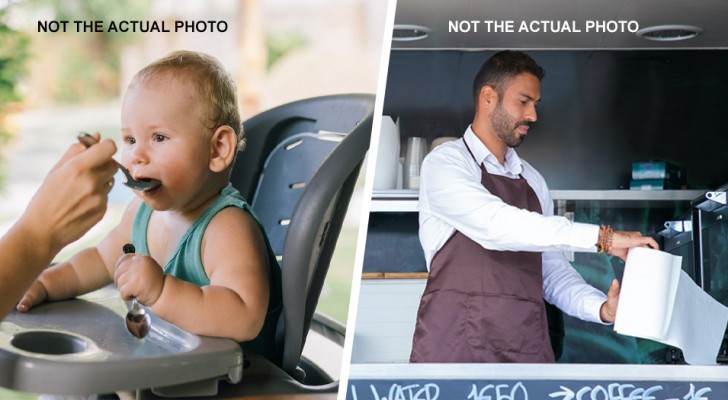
point(129, 140)
point(159, 137)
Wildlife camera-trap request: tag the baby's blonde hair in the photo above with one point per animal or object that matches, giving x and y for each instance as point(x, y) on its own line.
point(209, 79)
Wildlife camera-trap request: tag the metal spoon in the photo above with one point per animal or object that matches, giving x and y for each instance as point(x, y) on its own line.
point(138, 321)
point(88, 141)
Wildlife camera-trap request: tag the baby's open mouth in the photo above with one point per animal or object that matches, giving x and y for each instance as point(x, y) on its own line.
point(149, 184)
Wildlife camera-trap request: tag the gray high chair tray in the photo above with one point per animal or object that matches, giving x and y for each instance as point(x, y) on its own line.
point(81, 347)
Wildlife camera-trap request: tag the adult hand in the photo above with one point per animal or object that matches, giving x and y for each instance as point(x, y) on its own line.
point(72, 198)
point(622, 241)
point(139, 276)
point(69, 202)
point(608, 311)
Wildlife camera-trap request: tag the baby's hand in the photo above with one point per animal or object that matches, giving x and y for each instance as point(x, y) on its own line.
point(139, 276)
point(35, 294)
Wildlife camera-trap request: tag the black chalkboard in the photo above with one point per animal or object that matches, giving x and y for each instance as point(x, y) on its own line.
point(539, 389)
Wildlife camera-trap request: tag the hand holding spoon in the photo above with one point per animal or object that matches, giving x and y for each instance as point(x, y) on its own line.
point(138, 321)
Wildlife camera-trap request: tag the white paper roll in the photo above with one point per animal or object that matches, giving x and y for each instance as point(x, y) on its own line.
point(385, 174)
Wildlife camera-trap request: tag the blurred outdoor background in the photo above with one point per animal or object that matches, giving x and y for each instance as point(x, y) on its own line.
point(53, 85)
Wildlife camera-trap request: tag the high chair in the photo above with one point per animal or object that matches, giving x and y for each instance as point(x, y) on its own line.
point(298, 170)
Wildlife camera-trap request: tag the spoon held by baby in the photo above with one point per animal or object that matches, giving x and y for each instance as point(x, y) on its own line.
point(138, 322)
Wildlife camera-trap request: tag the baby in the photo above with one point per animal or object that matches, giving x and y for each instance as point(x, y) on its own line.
point(203, 261)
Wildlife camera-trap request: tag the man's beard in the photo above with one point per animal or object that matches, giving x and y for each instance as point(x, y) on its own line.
point(505, 126)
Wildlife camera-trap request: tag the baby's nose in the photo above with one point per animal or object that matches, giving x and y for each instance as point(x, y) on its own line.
point(136, 154)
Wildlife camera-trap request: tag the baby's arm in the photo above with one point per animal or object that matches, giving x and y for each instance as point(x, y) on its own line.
point(88, 270)
point(235, 303)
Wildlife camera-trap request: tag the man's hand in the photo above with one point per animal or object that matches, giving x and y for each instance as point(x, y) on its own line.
point(608, 311)
point(622, 241)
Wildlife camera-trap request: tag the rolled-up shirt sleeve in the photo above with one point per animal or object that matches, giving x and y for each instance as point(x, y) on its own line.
point(567, 290)
point(563, 286)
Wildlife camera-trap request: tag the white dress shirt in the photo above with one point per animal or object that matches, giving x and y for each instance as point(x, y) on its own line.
point(453, 198)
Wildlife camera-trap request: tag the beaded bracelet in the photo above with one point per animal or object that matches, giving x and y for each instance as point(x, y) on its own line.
point(604, 242)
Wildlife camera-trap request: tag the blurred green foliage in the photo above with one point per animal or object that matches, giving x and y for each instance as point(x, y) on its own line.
point(278, 45)
point(13, 56)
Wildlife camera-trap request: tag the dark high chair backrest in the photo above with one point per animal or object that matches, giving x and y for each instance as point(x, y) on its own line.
point(286, 173)
point(299, 171)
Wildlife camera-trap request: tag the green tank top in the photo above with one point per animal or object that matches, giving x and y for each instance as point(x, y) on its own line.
point(186, 264)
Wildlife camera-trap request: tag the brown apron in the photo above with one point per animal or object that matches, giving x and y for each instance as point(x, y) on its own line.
point(483, 305)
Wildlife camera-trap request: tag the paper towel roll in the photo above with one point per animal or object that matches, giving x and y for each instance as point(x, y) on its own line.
point(385, 174)
point(659, 301)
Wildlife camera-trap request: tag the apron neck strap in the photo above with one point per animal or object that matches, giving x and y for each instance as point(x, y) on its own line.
point(482, 167)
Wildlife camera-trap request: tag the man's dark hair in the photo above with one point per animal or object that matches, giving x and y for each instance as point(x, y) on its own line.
point(500, 68)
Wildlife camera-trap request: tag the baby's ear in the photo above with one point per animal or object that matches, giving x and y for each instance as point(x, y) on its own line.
point(223, 146)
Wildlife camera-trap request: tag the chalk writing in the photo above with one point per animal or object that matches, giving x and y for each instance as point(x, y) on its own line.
point(696, 394)
point(428, 391)
point(499, 392)
point(540, 389)
point(617, 391)
point(613, 391)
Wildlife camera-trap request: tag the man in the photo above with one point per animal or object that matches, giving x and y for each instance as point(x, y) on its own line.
point(492, 244)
